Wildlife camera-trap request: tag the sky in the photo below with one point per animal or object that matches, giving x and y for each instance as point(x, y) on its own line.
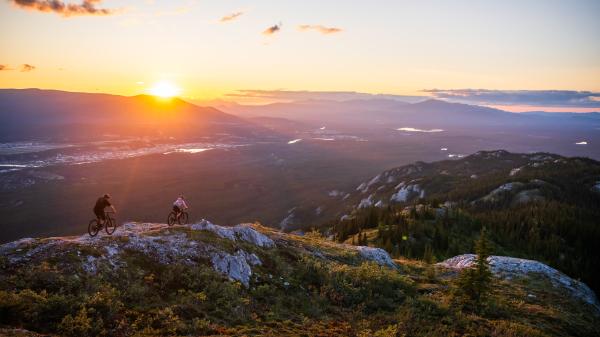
point(454, 50)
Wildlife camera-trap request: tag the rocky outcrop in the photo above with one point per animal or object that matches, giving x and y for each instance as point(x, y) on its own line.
point(510, 267)
point(366, 202)
point(236, 266)
point(243, 232)
point(407, 192)
point(377, 255)
point(162, 243)
point(496, 193)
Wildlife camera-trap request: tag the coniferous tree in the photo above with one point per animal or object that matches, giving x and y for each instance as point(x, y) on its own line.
point(474, 285)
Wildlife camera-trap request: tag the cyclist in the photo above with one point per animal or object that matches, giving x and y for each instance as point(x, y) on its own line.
point(101, 204)
point(179, 206)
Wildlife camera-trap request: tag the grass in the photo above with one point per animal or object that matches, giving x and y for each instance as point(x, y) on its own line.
point(293, 293)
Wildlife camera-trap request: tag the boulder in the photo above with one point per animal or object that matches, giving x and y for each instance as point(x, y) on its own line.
point(511, 267)
point(236, 267)
point(243, 232)
point(377, 255)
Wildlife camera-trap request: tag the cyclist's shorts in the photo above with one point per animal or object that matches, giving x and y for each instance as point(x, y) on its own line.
point(176, 209)
point(100, 214)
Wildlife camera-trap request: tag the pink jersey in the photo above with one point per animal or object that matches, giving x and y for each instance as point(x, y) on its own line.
point(180, 203)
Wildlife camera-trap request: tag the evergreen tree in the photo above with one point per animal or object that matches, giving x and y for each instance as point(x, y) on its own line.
point(428, 254)
point(474, 285)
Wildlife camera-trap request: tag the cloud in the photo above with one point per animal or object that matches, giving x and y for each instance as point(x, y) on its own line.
point(289, 95)
point(4, 67)
point(231, 17)
point(272, 30)
point(321, 29)
point(86, 7)
point(538, 98)
point(27, 68)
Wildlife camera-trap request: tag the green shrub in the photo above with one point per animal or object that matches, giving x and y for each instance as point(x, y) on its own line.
point(78, 326)
point(369, 285)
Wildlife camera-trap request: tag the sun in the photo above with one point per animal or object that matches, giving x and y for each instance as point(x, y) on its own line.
point(165, 89)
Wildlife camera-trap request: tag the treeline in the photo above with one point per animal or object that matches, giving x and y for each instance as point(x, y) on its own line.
point(562, 235)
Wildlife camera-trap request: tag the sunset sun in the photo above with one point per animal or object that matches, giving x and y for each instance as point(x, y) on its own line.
point(165, 89)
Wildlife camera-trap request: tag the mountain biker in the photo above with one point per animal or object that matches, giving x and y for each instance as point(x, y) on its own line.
point(101, 204)
point(179, 206)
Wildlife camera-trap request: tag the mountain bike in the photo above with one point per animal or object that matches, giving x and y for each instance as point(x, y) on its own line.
point(110, 225)
point(182, 220)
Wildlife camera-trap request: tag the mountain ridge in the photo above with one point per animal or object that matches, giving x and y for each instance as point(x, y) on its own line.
point(38, 114)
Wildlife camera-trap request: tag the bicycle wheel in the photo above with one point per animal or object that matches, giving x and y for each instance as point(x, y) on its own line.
point(172, 219)
point(183, 218)
point(110, 225)
point(93, 228)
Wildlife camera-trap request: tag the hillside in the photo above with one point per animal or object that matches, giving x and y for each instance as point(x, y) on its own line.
point(204, 279)
point(539, 206)
point(34, 114)
point(431, 113)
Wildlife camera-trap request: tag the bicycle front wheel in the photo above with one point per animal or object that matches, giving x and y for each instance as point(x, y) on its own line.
point(93, 228)
point(110, 226)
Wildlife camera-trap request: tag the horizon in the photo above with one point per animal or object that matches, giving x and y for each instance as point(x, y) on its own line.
point(537, 56)
point(361, 97)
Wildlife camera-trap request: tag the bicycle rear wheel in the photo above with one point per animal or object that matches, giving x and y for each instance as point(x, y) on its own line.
point(183, 218)
point(172, 219)
point(110, 226)
point(93, 228)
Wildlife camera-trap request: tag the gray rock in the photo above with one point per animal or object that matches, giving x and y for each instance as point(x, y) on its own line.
point(366, 202)
point(246, 233)
point(528, 196)
point(243, 232)
point(236, 267)
point(377, 255)
point(510, 267)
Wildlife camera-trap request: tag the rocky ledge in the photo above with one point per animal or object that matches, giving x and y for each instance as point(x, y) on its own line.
point(510, 267)
point(176, 244)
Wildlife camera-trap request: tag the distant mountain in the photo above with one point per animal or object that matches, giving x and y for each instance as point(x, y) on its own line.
point(58, 115)
point(426, 114)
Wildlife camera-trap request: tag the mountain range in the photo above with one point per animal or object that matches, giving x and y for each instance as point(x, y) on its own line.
point(33, 114)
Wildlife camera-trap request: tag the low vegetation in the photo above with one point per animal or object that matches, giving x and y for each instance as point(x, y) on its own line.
point(305, 286)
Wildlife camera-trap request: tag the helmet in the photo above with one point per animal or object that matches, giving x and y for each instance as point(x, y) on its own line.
point(107, 196)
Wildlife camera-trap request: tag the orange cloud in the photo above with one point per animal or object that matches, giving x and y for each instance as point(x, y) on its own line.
point(321, 29)
point(87, 7)
point(272, 30)
point(27, 68)
point(231, 17)
point(4, 67)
